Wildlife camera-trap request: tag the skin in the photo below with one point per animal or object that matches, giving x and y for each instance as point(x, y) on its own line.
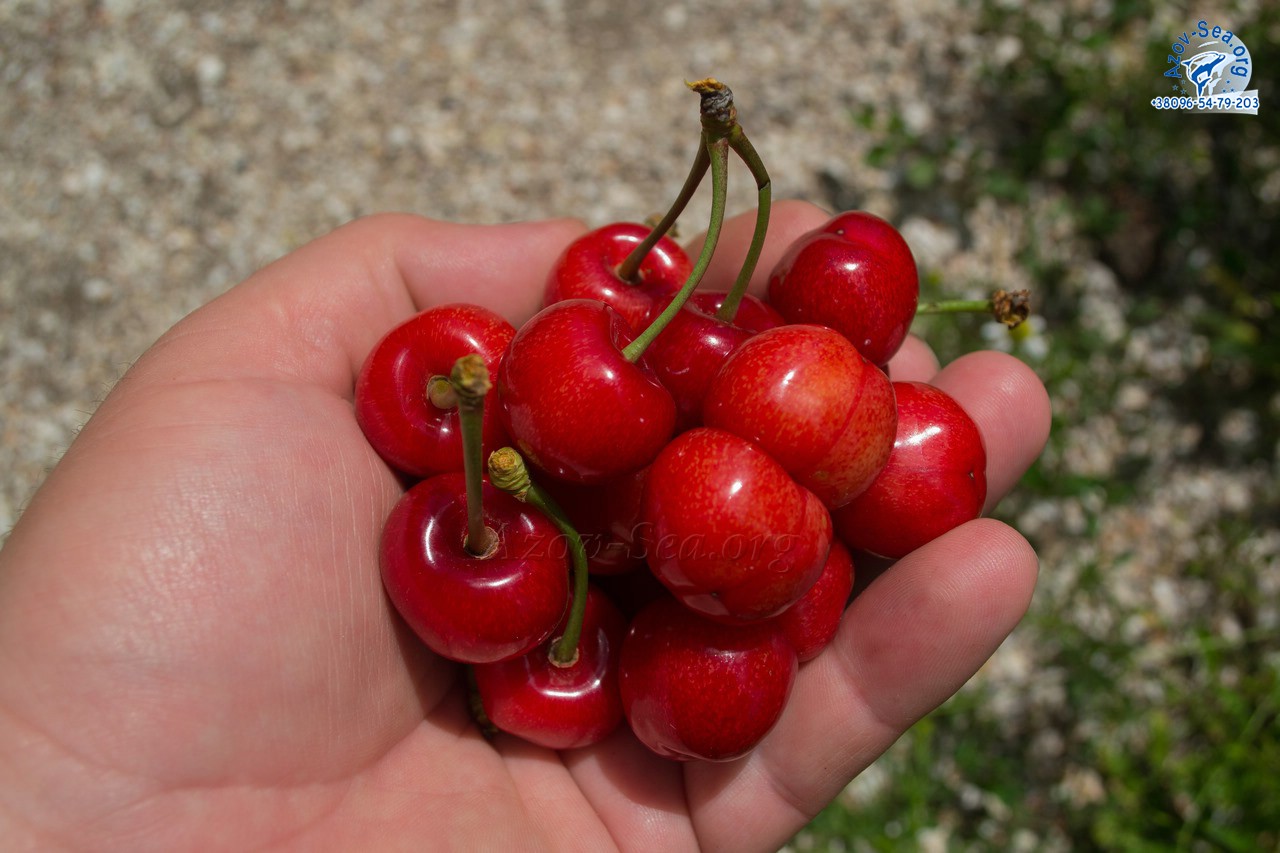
point(195, 648)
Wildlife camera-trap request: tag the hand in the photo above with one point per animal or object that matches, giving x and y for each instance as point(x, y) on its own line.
point(195, 648)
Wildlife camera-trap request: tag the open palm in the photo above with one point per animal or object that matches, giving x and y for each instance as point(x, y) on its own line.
point(196, 652)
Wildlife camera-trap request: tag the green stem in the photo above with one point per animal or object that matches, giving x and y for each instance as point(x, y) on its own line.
point(956, 306)
point(718, 151)
point(508, 472)
point(744, 149)
point(630, 268)
point(470, 380)
point(1009, 307)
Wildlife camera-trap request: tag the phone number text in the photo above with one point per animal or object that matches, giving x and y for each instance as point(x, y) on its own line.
point(1214, 102)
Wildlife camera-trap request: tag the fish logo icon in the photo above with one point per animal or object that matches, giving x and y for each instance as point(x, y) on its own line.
point(1205, 70)
point(1210, 68)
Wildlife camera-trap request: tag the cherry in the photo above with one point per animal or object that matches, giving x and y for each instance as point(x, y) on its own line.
point(689, 352)
point(572, 401)
point(813, 403)
point(935, 479)
point(607, 516)
point(855, 274)
point(811, 623)
point(468, 608)
point(728, 531)
point(392, 400)
point(687, 356)
point(561, 706)
point(753, 313)
point(589, 269)
point(697, 689)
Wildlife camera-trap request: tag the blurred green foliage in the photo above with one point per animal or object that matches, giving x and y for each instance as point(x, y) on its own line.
point(1152, 747)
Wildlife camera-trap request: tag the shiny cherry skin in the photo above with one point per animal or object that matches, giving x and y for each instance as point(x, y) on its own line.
point(813, 402)
point(728, 531)
point(687, 356)
point(465, 608)
point(571, 401)
point(690, 350)
point(936, 477)
point(754, 314)
point(693, 688)
point(561, 707)
point(588, 269)
point(855, 274)
point(407, 430)
point(607, 517)
point(812, 622)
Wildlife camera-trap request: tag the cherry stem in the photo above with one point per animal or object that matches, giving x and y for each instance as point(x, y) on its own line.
point(746, 151)
point(629, 270)
point(508, 472)
point(718, 150)
point(1009, 307)
point(440, 392)
point(470, 381)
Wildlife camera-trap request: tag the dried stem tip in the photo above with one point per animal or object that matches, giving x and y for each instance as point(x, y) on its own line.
point(507, 471)
point(1011, 308)
point(717, 108)
point(470, 379)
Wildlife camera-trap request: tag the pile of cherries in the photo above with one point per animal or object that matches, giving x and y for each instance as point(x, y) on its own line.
point(675, 478)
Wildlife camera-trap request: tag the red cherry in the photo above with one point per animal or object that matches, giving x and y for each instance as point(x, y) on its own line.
point(466, 608)
point(573, 403)
point(406, 429)
point(697, 689)
point(561, 707)
point(728, 531)
point(854, 274)
point(813, 403)
point(936, 477)
point(588, 269)
point(754, 314)
point(688, 354)
point(607, 517)
point(811, 623)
